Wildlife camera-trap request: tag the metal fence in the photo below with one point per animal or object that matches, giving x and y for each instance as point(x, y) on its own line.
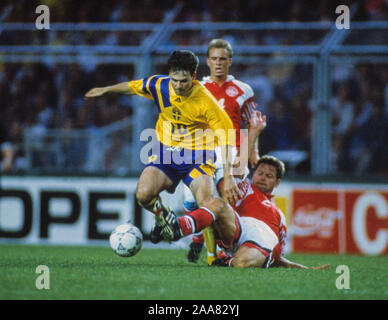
point(105, 150)
point(258, 46)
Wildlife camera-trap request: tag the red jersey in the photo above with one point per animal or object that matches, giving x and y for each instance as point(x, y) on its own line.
point(237, 99)
point(257, 205)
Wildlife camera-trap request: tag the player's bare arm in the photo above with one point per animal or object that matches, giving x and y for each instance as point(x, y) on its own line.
point(254, 156)
point(120, 88)
point(283, 262)
point(231, 191)
point(257, 124)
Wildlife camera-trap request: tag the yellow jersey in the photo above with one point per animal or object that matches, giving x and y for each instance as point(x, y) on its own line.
point(195, 121)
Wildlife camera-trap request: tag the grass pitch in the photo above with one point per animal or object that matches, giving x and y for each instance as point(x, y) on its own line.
point(161, 274)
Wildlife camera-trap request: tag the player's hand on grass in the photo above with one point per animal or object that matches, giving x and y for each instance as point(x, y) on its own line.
point(325, 266)
point(283, 262)
point(95, 92)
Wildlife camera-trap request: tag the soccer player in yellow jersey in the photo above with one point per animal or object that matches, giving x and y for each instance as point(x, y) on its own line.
point(190, 125)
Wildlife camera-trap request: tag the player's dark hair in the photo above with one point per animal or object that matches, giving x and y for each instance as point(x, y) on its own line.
point(275, 162)
point(183, 60)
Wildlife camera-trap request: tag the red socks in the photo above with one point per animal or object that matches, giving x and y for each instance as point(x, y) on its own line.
point(198, 238)
point(196, 221)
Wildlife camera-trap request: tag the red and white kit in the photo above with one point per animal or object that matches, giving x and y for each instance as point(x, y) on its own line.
point(236, 97)
point(261, 224)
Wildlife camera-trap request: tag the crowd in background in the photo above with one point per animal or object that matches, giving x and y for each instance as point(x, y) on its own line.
point(56, 101)
point(359, 109)
point(200, 10)
point(41, 96)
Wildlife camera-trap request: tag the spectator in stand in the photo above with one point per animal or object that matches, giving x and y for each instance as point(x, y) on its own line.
point(342, 109)
point(11, 159)
point(7, 155)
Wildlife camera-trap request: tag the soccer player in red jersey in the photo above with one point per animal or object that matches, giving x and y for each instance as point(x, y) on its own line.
point(237, 99)
point(235, 96)
point(251, 231)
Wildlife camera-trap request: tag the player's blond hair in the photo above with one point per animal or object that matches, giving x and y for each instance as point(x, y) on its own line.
point(220, 43)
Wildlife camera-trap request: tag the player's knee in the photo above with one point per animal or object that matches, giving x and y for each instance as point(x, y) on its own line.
point(217, 206)
point(242, 262)
point(144, 195)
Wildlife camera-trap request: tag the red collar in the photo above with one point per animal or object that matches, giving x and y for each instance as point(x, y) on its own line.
point(268, 196)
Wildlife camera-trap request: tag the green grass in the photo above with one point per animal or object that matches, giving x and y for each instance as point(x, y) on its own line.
point(97, 273)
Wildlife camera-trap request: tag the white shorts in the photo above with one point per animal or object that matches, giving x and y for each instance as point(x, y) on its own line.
point(256, 234)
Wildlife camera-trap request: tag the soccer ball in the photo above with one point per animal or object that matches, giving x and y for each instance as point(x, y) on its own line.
point(126, 240)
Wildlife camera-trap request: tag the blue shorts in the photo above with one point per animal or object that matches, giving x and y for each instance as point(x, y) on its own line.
point(182, 164)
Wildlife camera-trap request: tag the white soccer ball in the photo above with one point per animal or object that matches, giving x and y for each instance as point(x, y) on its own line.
point(126, 240)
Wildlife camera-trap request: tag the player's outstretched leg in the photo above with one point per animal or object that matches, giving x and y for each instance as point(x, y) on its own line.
point(171, 228)
point(217, 211)
point(177, 227)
